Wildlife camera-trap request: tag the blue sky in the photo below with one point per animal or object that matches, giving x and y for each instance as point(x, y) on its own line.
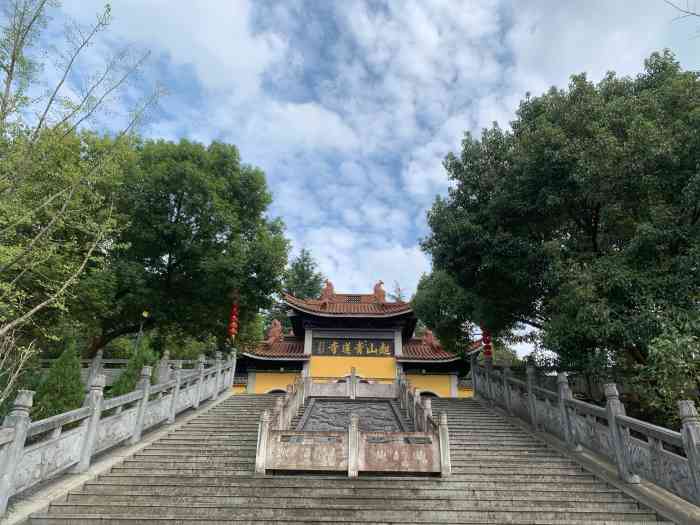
point(350, 106)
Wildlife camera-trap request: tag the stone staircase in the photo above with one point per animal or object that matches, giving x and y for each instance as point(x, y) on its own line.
point(203, 473)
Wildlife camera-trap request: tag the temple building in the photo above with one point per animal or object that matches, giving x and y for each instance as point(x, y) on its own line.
point(339, 332)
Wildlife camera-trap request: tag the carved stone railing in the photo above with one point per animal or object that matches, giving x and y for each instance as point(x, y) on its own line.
point(113, 368)
point(668, 459)
point(34, 451)
point(280, 448)
point(351, 386)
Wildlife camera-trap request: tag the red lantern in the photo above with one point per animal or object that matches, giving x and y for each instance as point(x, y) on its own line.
point(233, 321)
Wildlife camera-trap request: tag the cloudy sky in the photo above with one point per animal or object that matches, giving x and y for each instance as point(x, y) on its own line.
point(350, 106)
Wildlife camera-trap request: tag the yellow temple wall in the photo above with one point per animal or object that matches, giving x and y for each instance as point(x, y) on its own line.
point(465, 392)
point(437, 384)
point(339, 366)
point(266, 381)
point(238, 389)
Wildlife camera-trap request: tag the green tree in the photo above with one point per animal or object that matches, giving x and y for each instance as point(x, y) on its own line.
point(196, 233)
point(302, 278)
point(584, 219)
point(141, 356)
point(61, 390)
point(442, 306)
point(55, 217)
point(672, 371)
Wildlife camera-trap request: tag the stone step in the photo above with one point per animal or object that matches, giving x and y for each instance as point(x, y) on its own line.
point(402, 504)
point(342, 482)
point(507, 493)
point(44, 519)
point(464, 475)
point(495, 514)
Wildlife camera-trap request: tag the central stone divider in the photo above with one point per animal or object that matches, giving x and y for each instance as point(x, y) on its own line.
point(281, 448)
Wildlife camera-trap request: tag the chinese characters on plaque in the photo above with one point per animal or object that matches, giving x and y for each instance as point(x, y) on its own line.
point(353, 347)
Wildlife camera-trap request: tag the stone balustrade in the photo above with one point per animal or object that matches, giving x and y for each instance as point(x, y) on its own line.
point(279, 448)
point(34, 451)
point(113, 368)
point(668, 459)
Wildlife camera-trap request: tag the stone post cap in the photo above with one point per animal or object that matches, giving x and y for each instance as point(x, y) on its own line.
point(99, 382)
point(611, 391)
point(529, 369)
point(688, 411)
point(146, 371)
point(218, 356)
point(427, 402)
point(201, 358)
point(178, 365)
point(562, 378)
point(265, 415)
point(354, 420)
point(166, 355)
point(24, 400)
point(99, 353)
point(443, 418)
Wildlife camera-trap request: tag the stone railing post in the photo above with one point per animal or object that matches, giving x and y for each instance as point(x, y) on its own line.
point(218, 377)
point(201, 363)
point(352, 383)
point(145, 386)
point(279, 413)
point(172, 412)
point(427, 409)
point(18, 418)
point(163, 369)
point(690, 432)
point(308, 385)
point(614, 408)
point(567, 424)
point(416, 402)
point(488, 375)
point(506, 390)
point(95, 370)
point(94, 401)
point(444, 434)
point(531, 401)
point(263, 438)
point(232, 370)
point(473, 360)
point(495, 382)
point(354, 446)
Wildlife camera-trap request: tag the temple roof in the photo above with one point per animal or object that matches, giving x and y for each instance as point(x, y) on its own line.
point(287, 348)
point(348, 305)
point(291, 348)
point(417, 350)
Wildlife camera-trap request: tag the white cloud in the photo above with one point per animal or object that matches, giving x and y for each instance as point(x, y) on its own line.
point(350, 107)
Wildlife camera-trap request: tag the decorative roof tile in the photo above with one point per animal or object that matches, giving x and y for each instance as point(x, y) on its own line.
point(286, 348)
point(418, 350)
point(354, 305)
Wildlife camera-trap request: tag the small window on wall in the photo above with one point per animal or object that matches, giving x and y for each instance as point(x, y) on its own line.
point(352, 299)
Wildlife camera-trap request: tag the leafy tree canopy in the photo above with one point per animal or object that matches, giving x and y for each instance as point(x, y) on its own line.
point(195, 234)
point(441, 304)
point(302, 279)
point(61, 390)
point(584, 219)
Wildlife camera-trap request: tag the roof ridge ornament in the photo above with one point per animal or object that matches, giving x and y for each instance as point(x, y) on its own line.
point(430, 340)
point(275, 333)
point(379, 293)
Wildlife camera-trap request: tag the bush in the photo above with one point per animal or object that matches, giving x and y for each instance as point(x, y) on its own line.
point(129, 378)
point(672, 372)
point(61, 390)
